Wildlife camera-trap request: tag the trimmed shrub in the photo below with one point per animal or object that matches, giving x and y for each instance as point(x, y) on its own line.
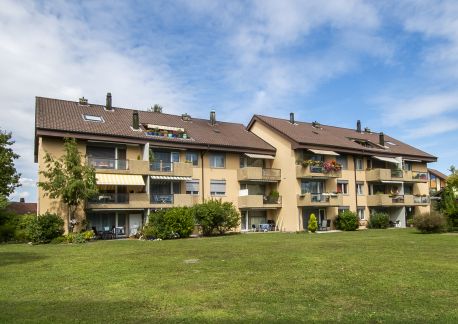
point(313, 225)
point(214, 216)
point(41, 229)
point(430, 222)
point(8, 223)
point(171, 223)
point(379, 220)
point(347, 221)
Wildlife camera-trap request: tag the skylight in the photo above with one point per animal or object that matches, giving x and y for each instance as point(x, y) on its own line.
point(391, 143)
point(92, 118)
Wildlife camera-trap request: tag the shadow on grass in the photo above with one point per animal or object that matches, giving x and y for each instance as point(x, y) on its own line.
point(7, 258)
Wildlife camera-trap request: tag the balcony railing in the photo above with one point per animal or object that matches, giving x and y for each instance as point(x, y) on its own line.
point(269, 200)
point(418, 175)
point(319, 199)
point(421, 199)
point(108, 164)
point(110, 198)
point(397, 174)
point(258, 173)
point(161, 166)
point(161, 199)
point(271, 174)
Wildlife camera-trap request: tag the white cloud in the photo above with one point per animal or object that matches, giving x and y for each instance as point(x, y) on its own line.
point(27, 182)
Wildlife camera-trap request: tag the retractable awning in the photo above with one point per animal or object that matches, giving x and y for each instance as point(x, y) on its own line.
point(119, 179)
point(323, 152)
point(260, 156)
point(412, 160)
point(386, 159)
point(391, 181)
point(157, 177)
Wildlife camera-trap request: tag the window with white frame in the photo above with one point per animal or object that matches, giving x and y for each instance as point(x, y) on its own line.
point(340, 210)
point(359, 164)
point(192, 187)
point(342, 160)
point(217, 187)
point(360, 188)
point(217, 160)
point(342, 187)
point(192, 157)
point(361, 213)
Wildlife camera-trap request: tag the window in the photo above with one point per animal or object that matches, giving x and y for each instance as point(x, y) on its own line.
point(340, 210)
point(359, 164)
point(408, 189)
point(360, 188)
point(360, 211)
point(342, 160)
point(217, 160)
point(407, 166)
point(342, 187)
point(369, 163)
point(175, 157)
point(246, 161)
point(96, 119)
point(218, 187)
point(192, 187)
point(313, 157)
point(312, 187)
point(192, 157)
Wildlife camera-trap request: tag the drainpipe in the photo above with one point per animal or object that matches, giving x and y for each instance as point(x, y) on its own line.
point(356, 187)
point(202, 154)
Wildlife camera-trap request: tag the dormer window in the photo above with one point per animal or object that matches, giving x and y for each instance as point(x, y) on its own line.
point(92, 118)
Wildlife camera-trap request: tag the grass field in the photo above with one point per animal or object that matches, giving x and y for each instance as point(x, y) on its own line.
point(367, 276)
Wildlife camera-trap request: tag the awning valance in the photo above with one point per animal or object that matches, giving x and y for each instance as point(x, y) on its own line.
point(386, 159)
point(323, 152)
point(391, 181)
point(158, 177)
point(260, 156)
point(119, 179)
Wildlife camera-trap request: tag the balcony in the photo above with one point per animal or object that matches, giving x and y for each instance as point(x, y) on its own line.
point(418, 176)
point(385, 175)
point(141, 201)
point(386, 200)
point(416, 200)
point(319, 199)
point(259, 202)
point(316, 172)
point(179, 169)
point(119, 166)
point(258, 174)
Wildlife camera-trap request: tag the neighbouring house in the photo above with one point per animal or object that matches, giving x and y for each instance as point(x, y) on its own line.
point(437, 181)
point(275, 171)
point(21, 207)
point(327, 169)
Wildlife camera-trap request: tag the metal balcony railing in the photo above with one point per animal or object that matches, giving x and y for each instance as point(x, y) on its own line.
point(110, 198)
point(161, 166)
point(108, 164)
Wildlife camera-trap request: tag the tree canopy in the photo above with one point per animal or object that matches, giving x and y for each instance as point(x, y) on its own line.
point(67, 178)
point(9, 178)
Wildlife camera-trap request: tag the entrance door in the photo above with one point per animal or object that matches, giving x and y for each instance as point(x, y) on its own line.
point(135, 223)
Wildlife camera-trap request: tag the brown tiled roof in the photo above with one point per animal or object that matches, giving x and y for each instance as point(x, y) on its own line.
point(437, 173)
point(22, 208)
point(304, 135)
point(60, 116)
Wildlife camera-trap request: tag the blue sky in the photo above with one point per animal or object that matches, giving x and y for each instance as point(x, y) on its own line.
point(393, 65)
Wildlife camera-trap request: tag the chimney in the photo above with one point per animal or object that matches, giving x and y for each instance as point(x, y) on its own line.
point(291, 118)
point(108, 105)
point(22, 200)
point(212, 117)
point(358, 126)
point(83, 101)
point(381, 139)
point(135, 120)
point(185, 117)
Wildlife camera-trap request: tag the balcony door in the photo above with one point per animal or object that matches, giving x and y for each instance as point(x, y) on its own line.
point(163, 191)
point(163, 160)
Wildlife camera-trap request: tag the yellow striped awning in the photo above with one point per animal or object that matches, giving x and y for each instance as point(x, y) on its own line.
point(119, 179)
point(157, 177)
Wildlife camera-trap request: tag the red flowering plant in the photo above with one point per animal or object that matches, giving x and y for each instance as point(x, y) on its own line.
point(331, 166)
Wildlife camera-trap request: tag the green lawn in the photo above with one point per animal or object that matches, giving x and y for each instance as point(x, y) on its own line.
point(367, 276)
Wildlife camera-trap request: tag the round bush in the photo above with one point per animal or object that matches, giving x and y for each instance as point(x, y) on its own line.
point(171, 223)
point(429, 222)
point(347, 221)
point(379, 220)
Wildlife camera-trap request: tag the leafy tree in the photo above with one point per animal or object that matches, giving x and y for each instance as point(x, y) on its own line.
point(68, 179)
point(313, 225)
point(156, 108)
point(216, 216)
point(448, 204)
point(9, 178)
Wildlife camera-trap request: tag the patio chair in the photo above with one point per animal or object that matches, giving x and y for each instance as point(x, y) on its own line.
point(253, 227)
point(324, 225)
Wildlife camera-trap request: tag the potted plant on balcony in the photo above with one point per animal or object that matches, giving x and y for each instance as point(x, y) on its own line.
point(273, 197)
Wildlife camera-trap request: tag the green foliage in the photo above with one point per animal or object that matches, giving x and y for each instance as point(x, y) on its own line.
point(448, 205)
point(313, 224)
point(430, 222)
point(41, 229)
point(216, 216)
point(347, 221)
point(67, 178)
point(170, 223)
point(75, 238)
point(379, 220)
point(8, 221)
point(9, 178)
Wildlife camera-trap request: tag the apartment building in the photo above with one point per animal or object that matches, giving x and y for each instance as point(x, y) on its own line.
point(277, 172)
point(437, 181)
point(328, 169)
point(146, 161)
